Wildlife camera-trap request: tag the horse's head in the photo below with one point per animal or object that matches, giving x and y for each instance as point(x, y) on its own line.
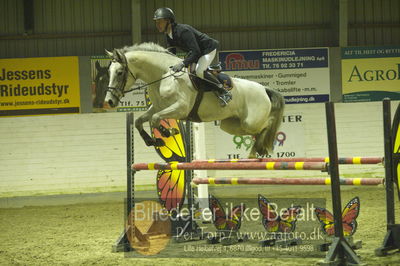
point(101, 84)
point(121, 77)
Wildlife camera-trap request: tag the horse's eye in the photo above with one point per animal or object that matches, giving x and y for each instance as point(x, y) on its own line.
point(119, 73)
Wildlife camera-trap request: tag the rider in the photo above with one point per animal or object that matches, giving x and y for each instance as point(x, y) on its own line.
point(200, 47)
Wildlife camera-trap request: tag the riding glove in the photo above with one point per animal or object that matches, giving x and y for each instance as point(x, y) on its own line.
point(178, 67)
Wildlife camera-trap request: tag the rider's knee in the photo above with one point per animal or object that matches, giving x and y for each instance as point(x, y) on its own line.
point(199, 71)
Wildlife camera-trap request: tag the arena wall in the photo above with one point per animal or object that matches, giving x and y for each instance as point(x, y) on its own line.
point(64, 154)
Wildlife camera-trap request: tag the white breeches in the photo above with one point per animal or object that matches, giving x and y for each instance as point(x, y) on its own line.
point(204, 62)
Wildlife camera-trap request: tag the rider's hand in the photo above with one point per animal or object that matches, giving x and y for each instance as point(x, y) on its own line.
point(178, 67)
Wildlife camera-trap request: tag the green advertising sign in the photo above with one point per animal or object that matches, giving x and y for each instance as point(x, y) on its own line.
point(370, 73)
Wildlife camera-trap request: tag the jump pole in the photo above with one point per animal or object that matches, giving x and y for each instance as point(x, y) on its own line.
point(390, 131)
point(342, 160)
point(288, 181)
point(232, 166)
point(199, 152)
point(122, 243)
point(340, 252)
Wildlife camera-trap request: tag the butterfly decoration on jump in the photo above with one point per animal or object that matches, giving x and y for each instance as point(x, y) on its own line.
point(349, 216)
point(173, 149)
point(275, 223)
point(171, 186)
point(225, 220)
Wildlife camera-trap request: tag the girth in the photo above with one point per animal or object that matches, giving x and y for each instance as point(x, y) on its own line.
point(194, 113)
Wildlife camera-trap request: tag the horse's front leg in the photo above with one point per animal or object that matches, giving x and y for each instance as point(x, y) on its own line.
point(139, 126)
point(144, 118)
point(178, 110)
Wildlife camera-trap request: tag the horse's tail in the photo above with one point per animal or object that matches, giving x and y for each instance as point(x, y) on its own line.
point(267, 136)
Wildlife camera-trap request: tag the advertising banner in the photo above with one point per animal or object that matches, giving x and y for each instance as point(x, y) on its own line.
point(132, 101)
point(300, 75)
point(289, 142)
point(34, 86)
point(370, 73)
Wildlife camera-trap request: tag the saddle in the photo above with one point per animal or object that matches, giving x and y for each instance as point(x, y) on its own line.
point(205, 85)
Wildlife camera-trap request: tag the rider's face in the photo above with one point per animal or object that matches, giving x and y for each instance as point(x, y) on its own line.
point(161, 24)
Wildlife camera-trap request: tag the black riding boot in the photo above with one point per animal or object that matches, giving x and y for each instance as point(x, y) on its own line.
point(224, 95)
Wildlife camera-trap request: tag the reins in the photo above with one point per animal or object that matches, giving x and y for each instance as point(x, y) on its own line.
point(158, 80)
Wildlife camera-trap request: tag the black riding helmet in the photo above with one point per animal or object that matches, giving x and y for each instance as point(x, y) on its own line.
point(164, 12)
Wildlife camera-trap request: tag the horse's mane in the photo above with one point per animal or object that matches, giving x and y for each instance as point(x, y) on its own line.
point(146, 46)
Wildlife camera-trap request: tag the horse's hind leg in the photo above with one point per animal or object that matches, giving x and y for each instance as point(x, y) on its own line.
point(247, 126)
point(260, 146)
point(234, 126)
point(253, 152)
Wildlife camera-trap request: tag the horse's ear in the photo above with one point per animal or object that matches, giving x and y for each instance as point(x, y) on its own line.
point(97, 64)
point(120, 56)
point(110, 54)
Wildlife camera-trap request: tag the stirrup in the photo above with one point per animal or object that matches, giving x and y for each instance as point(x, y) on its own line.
point(225, 98)
point(216, 67)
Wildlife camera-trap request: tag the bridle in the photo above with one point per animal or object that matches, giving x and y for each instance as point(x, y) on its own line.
point(118, 92)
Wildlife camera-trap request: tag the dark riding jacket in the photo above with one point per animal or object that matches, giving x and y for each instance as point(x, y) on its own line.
point(192, 41)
